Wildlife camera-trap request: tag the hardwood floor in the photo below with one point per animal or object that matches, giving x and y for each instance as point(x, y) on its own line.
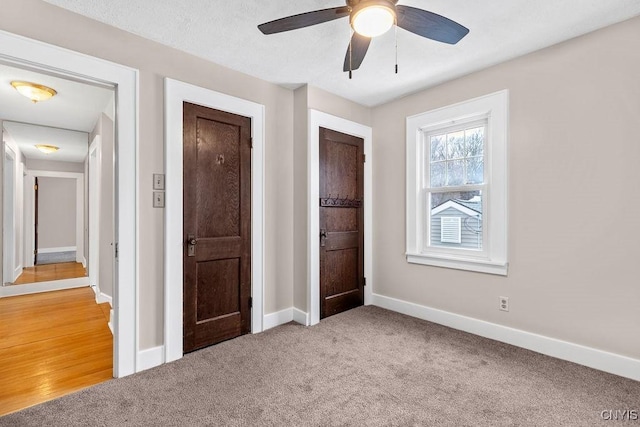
point(48, 272)
point(52, 344)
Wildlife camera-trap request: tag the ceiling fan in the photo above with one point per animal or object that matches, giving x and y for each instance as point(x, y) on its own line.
point(372, 18)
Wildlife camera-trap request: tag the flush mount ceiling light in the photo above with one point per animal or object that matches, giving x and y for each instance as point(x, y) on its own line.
point(373, 18)
point(33, 91)
point(47, 149)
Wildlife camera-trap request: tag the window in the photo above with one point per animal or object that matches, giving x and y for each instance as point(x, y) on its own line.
point(456, 186)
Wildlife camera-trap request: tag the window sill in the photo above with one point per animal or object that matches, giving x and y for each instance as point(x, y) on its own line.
point(468, 264)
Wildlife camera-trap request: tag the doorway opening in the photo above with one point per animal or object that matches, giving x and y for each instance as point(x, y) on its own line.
point(45, 238)
point(48, 60)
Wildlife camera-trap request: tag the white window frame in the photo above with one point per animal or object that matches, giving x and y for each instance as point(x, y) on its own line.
point(493, 258)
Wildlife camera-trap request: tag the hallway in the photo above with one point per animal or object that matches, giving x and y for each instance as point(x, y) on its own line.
point(52, 344)
point(49, 272)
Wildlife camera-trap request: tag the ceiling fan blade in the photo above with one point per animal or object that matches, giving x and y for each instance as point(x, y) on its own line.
point(355, 54)
point(430, 25)
point(303, 20)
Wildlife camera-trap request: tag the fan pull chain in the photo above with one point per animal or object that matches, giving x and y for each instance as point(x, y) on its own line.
point(396, 29)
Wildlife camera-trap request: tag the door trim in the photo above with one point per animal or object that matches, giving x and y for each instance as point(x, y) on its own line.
point(21, 51)
point(175, 93)
point(318, 119)
point(29, 205)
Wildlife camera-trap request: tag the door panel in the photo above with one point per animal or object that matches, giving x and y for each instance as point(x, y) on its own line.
point(341, 222)
point(217, 214)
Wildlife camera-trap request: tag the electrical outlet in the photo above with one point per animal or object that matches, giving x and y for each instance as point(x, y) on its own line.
point(504, 303)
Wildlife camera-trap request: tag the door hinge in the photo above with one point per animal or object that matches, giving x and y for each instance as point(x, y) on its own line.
point(364, 281)
point(250, 302)
point(35, 252)
point(35, 187)
point(364, 158)
point(251, 142)
point(116, 249)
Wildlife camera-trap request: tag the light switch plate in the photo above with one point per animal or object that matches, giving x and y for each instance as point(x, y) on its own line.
point(158, 181)
point(158, 199)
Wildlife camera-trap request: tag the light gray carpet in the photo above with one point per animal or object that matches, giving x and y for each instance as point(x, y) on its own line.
point(365, 367)
point(55, 257)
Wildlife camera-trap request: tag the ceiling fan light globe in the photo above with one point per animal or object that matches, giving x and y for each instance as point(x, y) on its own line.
point(373, 21)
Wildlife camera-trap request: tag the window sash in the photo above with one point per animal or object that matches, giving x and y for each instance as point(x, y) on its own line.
point(462, 125)
point(424, 224)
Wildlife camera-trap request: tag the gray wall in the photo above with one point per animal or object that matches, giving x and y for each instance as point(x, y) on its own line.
point(573, 155)
point(56, 212)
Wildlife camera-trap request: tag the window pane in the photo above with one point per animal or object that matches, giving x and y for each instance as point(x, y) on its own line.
point(466, 205)
point(438, 174)
point(455, 145)
point(475, 142)
point(455, 172)
point(438, 146)
point(475, 170)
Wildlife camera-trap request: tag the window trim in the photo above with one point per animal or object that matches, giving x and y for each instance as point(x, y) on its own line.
point(493, 259)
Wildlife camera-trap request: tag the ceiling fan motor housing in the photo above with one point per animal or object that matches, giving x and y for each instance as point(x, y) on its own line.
point(363, 3)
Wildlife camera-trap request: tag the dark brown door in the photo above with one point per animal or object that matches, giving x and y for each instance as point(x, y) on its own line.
point(217, 226)
point(341, 222)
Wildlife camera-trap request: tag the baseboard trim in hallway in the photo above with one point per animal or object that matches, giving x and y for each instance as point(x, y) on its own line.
point(35, 288)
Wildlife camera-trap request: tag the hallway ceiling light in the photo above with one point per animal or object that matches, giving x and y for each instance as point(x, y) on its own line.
point(33, 91)
point(47, 149)
point(373, 18)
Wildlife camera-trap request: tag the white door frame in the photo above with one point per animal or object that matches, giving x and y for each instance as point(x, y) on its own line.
point(8, 223)
point(94, 182)
point(20, 51)
point(175, 94)
point(30, 214)
point(318, 119)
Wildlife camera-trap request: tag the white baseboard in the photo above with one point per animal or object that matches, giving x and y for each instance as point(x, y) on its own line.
point(17, 272)
point(287, 315)
point(300, 316)
point(576, 353)
point(34, 288)
point(111, 321)
point(150, 358)
point(278, 318)
point(53, 250)
point(101, 298)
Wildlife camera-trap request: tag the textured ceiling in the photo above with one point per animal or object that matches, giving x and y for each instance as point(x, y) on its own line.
point(225, 32)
